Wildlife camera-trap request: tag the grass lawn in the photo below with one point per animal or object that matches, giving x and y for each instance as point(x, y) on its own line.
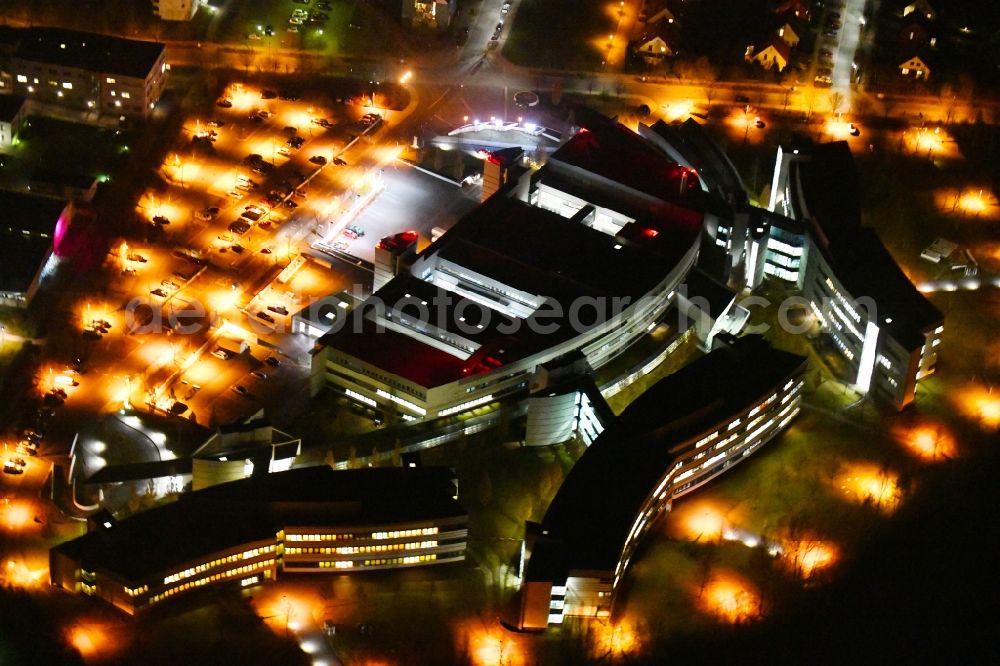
point(688, 352)
point(55, 149)
point(582, 26)
point(373, 31)
point(791, 489)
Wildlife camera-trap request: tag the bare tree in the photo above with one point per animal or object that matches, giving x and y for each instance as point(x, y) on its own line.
point(836, 102)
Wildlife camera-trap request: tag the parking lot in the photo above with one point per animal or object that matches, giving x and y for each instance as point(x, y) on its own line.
point(246, 188)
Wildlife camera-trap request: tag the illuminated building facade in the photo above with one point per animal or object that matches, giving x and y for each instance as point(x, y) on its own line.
point(312, 519)
point(514, 284)
point(884, 329)
point(684, 431)
point(106, 75)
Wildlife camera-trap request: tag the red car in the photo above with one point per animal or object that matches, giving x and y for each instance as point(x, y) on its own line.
point(353, 235)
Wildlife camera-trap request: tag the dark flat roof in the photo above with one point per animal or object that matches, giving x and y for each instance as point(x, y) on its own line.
point(10, 105)
point(138, 471)
point(21, 255)
point(866, 269)
point(28, 212)
point(591, 515)
point(396, 353)
point(831, 188)
point(150, 544)
point(84, 50)
point(549, 256)
point(611, 150)
point(704, 289)
point(529, 249)
point(691, 140)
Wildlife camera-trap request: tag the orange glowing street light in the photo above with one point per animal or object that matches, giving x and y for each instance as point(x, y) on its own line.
point(866, 483)
point(731, 599)
point(615, 640)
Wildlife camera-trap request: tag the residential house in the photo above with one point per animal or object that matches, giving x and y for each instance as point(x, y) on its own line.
point(791, 31)
point(775, 53)
point(657, 43)
point(915, 67)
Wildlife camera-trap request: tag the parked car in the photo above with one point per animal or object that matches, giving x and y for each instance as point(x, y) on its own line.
point(266, 317)
point(280, 309)
point(159, 292)
point(224, 354)
point(225, 103)
point(239, 389)
point(318, 159)
point(10, 468)
point(160, 220)
point(208, 214)
point(272, 361)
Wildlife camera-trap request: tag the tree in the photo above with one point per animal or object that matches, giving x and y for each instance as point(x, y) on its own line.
point(836, 102)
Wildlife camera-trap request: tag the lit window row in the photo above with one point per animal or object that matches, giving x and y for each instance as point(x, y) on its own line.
point(134, 592)
point(245, 555)
point(411, 559)
point(361, 398)
point(351, 550)
point(706, 439)
point(319, 537)
point(222, 575)
point(397, 534)
point(339, 564)
point(400, 401)
point(466, 405)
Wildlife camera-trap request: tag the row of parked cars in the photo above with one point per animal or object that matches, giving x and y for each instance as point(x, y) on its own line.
point(32, 436)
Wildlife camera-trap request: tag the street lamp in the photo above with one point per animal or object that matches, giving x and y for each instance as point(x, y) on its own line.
point(288, 611)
